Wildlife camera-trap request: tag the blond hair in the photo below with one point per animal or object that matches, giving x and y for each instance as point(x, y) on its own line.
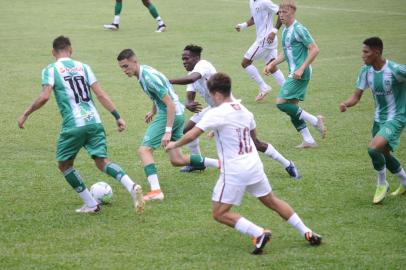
point(288, 3)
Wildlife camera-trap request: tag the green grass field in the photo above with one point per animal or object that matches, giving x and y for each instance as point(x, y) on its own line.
point(38, 226)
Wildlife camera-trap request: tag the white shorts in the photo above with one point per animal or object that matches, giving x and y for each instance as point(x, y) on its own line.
point(198, 116)
point(232, 194)
point(258, 52)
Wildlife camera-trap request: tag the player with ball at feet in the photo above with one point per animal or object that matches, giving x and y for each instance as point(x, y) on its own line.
point(241, 167)
point(71, 82)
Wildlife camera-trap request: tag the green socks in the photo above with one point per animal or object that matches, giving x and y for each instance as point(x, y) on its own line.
point(114, 170)
point(294, 112)
point(154, 12)
point(378, 159)
point(74, 179)
point(118, 7)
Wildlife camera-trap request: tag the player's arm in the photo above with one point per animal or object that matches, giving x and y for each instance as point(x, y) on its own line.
point(244, 25)
point(279, 59)
point(190, 136)
point(170, 118)
point(188, 79)
point(313, 50)
point(352, 100)
point(191, 104)
point(108, 104)
point(38, 103)
point(150, 115)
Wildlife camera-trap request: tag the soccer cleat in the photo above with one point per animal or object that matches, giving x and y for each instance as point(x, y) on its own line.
point(399, 191)
point(293, 171)
point(154, 195)
point(262, 93)
point(112, 26)
point(380, 193)
point(88, 209)
point(138, 198)
point(320, 126)
point(305, 145)
point(260, 242)
point(313, 238)
point(161, 28)
point(189, 168)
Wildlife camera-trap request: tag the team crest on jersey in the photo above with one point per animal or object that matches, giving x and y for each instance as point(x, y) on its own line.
point(236, 106)
point(388, 131)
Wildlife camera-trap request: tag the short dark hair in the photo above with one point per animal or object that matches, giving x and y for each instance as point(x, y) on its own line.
point(61, 43)
point(374, 43)
point(194, 49)
point(125, 54)
point(220, 82)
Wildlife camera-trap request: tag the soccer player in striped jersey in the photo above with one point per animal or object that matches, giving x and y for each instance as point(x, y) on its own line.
point(387, 81)
point(115, 25)
point(199, 72)
point(71, 81)
point(265, 47)
point(167, 126)
point(300, 50)
point(241, 167)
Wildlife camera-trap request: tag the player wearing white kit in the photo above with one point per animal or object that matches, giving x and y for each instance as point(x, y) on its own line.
point(199, 72)
point(241, 168)
point(265, 45)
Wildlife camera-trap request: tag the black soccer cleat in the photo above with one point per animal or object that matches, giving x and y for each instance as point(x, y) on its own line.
point(189, 169)
point(313, 238)
point(260, 242)
point(293, 171)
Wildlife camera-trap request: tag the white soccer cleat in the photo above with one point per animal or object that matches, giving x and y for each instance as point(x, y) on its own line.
point(320, 126)
point(262, 93)
point(112, 26)
point(161, 28)
point(138, 199)
point(154, 195)
point(88, 209)
point(305, 145)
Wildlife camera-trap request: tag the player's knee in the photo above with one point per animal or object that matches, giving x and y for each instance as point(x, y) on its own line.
point(281, 107)
point(217, 216)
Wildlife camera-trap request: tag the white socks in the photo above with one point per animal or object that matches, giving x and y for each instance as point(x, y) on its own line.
point(307, 137)
point(87, 198)
point(279, 77)
point(116, 19)
point(153, 181)
point(194, 147)
point(211, 162)
point(254, 74)
point(247, 227)
point(381, 177)
point(273, 153)
point(298, 224)
point(127, 182)
point(308, 117)
point(402, 177)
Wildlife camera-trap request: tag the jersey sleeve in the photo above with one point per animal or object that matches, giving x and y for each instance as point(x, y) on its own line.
point(269, 5)
point(90, 77)
point(362, 82)
point(400, 73)
point(212, 119)
point(202, 68)
point(304, 35)
point(48, 76)
point(156, 86)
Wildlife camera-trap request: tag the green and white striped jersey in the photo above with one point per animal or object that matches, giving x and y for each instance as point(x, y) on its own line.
point(71, 80)
point(388, 87)
point(295, 40)
point(156, 86)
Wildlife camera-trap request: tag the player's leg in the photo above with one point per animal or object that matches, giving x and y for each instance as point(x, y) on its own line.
point(375, 150)
point(154, 13)
point(146, 155)
point(271, 152)
point(394, 166)
point(69, 144)
point(253, 72)
point(198, 162)
point(224, 197)
point(114, 170)
point(116, 20)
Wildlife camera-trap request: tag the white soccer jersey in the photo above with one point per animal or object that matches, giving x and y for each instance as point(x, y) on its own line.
point(232, 123)
point(206, 70)
point(263, 11)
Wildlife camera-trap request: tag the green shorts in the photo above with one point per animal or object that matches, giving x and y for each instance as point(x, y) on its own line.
point(92, 137)
point(293, 89)
point(390, 130)
point(156, 130)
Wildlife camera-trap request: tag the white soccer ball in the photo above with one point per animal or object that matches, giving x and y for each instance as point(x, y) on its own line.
point(102, 192)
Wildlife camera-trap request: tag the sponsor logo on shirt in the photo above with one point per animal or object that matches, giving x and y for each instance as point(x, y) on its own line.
point(71, 70)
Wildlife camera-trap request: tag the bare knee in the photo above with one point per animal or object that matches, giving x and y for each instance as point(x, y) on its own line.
point(245, 62)
point(64, 165)
point(146, 2)
point(101, 163)
point(218, 216)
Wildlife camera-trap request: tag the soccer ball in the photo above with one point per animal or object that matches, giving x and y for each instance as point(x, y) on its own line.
point(102, 192)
